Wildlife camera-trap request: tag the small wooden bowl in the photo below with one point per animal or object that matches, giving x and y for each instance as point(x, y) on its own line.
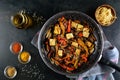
point(103, 19)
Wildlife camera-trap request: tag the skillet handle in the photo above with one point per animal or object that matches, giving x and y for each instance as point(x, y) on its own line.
point(110, 63)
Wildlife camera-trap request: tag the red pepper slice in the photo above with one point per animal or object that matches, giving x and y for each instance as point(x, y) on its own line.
point(62, 40)
point(58, 37)
point(80, 34)
point(63, 66)
point(69, 26)
point(67, 68)
point(84, 57)
point(70, 68)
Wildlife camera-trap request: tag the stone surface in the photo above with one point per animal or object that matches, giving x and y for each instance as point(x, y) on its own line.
point(45, 8)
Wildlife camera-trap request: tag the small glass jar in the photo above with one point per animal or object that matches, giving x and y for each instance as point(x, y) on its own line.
point(22, 20)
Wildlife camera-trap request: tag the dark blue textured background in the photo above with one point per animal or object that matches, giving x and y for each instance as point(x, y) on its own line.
point(46, 8)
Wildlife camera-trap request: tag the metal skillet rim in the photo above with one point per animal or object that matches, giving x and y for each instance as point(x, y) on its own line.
point(40, 50)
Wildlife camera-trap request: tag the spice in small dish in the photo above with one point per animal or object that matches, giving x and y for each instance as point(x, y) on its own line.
point(16, 47)
point(105, 15)
point(10, 72)
point(24, 57)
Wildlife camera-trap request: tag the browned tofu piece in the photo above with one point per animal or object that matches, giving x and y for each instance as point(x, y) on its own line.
point(79, 27)
point(85, 29)
point(74, 24)
point(69, 35)
point(74, 44)
point(60, 53)
point(88, 43)
point(52, 42)
point(86, 32)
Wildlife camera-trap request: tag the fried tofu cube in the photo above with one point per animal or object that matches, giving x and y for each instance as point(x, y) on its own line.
point(57, 29)
point(88, 43)
point(60, 53)
point(74, 24)
point(86, 34)
point(77, 51)
point(52, 42)
point(74, 44)
point(69, 35)
point(85, 29)
point(79, 27)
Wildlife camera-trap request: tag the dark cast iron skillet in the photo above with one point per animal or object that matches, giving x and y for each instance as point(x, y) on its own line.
point(93, 59)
